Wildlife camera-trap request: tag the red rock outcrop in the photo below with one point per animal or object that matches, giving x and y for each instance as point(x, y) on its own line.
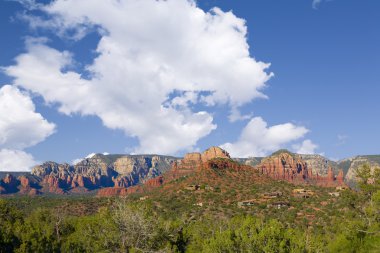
point(214, 152)
point(116, 191)
point(340, 177)
point(25, 187)
point(154, 182)
point(194, 161)
point(52, 184)
point(12, 185)
point(291, 168)
point(24, 181)
point(284, 166)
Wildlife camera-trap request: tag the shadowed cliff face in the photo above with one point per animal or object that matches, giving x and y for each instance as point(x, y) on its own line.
point(24, 184)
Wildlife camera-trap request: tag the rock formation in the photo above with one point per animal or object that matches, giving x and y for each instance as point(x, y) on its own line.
point(191, 163)
point(319, 164)
point(9, 184)
point(23, 184)
point(99, 171)
point(352, 164)
point(214, 152)
point(113, 174)
point(194, 161)
point(292, 168)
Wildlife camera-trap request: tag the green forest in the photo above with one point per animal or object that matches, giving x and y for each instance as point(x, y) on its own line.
point(91, 224)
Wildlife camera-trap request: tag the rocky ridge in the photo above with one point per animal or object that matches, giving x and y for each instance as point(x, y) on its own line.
point(180, 168)
point(294, 168)
point(115, 174)
point(352, 164)
point(215, 161)
point(99, 171)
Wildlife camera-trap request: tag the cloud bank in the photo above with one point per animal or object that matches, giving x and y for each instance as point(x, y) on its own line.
point(20, 127)
point(156, 60)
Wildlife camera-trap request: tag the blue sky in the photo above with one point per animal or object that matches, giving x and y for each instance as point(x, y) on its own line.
point(150, 78)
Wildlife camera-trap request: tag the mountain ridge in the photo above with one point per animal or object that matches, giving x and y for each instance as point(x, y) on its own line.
point(124, 171)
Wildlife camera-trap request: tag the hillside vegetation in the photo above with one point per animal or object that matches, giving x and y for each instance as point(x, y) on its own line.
point(201, 212)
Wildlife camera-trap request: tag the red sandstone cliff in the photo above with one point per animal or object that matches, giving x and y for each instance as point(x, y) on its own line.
point(290, 167)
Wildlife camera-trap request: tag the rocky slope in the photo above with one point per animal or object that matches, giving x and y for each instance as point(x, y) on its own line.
point(352, 164)
point(205, 167)
point(284, 165)
point(320, 164)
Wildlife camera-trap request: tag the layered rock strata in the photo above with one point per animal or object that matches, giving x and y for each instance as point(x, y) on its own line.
point(292, 168)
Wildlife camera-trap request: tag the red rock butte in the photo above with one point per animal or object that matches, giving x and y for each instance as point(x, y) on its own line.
point(195, 161)
point(291, 168)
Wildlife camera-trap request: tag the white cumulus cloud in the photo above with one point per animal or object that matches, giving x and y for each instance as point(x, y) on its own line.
point(20, 127)
point(15, 160)
point(259, 139)
point(155, 60)
point(306, 147)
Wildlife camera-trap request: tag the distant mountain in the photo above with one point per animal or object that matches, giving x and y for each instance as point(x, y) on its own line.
point(89, 174)
point(215, 168)
point(352, 164)
point(251, 161)
point(125, 171)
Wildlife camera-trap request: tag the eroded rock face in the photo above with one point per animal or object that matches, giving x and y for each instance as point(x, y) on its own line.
point(291, 167)
point(214, 152)
point(340, 177)
point(284, 166)
point(204, 164)
point(319, 164)
point(24, 181)
point(101, 171)
point(155, 182)
point(352, 164)
point(9, 184)
point(112, 173)
point(23, 184)
point(94, 166)
point(194, 161)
